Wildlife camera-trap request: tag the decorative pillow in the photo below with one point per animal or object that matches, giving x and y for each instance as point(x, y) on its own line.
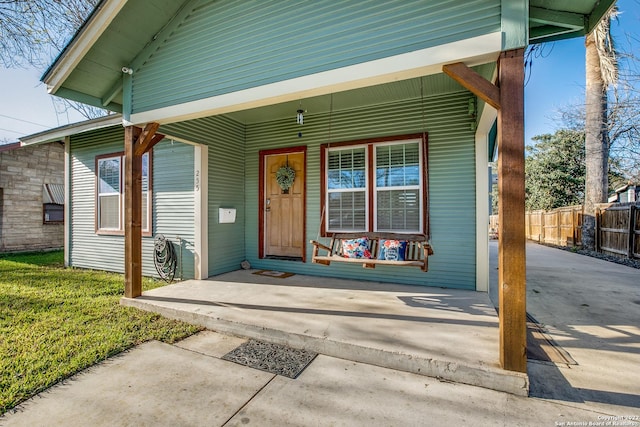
point(356, 248)
point(392, 250)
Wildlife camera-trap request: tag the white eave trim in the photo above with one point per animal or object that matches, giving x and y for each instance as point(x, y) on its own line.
point(58, 134)
point(80, 45)
point(473, 51)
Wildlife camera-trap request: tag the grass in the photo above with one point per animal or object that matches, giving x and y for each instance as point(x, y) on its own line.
point(55, 322)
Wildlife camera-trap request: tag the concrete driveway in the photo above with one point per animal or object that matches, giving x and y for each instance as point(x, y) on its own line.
point(589, 306)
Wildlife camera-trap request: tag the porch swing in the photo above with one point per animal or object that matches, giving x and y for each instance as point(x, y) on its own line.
point(373, 248)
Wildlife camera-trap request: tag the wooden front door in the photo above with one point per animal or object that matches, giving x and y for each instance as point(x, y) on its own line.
point(284, 210)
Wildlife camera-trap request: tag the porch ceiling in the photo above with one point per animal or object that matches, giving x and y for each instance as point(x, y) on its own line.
point(434, 84)
point(122, 32)
point(559, 19)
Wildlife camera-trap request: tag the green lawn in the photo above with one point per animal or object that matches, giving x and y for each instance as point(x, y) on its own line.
point(55, 322)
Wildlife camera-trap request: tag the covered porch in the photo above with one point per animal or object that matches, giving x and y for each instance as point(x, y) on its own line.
point(173, 81)
point(444, 333)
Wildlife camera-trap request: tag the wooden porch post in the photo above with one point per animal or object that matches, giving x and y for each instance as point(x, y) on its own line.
point(508, 98)
point(511, 243)
point(136, 143)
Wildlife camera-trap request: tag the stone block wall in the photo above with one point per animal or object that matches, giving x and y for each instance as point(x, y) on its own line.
point(23, 172)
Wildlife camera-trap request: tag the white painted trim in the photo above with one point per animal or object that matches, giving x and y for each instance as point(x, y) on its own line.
point(82, 42)
point(201, 211)
point(59, 133)
point(67, 200)
point(473, 51)
point(489, 115)
point(169, 137)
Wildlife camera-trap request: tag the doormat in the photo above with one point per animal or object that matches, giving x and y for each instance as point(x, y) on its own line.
point(541, 347)
point(274, 358)
point(273, 273)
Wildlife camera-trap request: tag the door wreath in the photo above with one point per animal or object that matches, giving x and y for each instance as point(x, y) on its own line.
point(285, 177)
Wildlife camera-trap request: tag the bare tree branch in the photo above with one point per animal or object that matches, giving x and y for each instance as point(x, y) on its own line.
point(32, 32)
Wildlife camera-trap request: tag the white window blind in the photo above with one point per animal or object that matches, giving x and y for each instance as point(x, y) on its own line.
point(396, 191)
point(398, 187)
point(109, 193)
point(346, 189)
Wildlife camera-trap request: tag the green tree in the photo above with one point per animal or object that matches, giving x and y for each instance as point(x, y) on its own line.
point(555, 170)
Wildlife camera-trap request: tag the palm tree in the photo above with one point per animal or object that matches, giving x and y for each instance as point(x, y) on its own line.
point(601, 72)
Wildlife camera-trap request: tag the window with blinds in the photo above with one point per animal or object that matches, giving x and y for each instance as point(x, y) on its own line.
point(375, 187)
point(110, 193)
point(347, 189)
point(397, 188)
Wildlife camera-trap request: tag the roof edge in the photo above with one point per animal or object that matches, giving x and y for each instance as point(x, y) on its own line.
point(9, 146)
point(59, 133)
point(93, 27)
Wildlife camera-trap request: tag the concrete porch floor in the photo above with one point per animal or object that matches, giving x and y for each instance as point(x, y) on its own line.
point(444, 333)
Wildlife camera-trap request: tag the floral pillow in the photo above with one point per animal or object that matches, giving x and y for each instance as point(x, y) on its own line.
point(356, 248)
point(392, 250)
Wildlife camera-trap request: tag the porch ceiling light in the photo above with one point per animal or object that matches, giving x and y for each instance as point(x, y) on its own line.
point(300, 115)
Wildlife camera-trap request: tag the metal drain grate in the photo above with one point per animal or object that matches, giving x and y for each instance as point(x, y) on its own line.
point(274, 358)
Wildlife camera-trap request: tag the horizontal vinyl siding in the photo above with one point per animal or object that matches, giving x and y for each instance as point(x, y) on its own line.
point(173, 198)
point(88, 249)
point(225, 139)
point(172, 203)
point(226, 46)
point(451, 183)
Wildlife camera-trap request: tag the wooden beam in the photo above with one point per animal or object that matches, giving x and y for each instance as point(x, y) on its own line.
point(148, 138)
point(113, 91)
point(511, 246)
point(132, 214)
point(136, 142)
point(474, 82)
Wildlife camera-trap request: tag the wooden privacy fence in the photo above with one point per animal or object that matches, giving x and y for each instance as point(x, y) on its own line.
point(561, 226)
point(617, 228)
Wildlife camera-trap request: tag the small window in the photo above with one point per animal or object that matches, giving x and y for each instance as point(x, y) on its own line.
point(110, 194)
point(375, 186)
point(53, 213)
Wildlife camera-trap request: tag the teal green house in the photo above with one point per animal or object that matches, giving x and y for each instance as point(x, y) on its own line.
point(388, 113)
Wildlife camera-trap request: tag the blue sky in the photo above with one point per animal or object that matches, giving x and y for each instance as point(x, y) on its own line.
point(555, 80)
point(557, 77)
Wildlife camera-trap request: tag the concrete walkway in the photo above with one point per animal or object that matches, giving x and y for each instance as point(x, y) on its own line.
point(187, 384)
point(443, 333)
point(594, 315)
